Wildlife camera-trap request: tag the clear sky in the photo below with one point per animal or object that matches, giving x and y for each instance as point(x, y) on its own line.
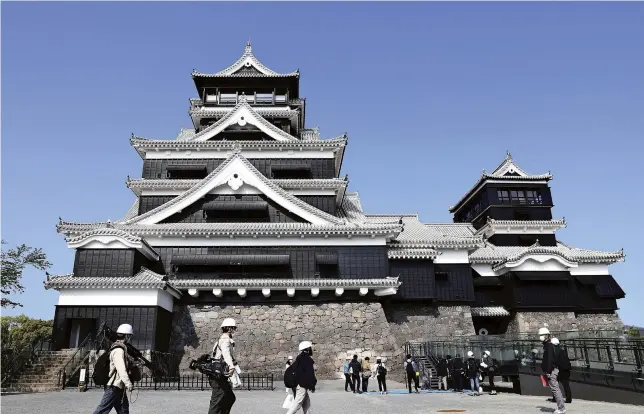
point(430, 94)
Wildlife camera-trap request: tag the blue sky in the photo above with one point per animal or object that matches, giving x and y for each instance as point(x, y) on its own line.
point(430, 94)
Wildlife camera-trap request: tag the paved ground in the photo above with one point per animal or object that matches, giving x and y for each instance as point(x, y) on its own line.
point(329, 399)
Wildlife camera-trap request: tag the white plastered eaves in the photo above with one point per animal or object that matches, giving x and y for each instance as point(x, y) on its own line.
point(237, 164)
point(241, 114)
point(109, 235)
point(183, 184)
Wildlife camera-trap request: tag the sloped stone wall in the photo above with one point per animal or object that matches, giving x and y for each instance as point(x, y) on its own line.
point(530, 322)
point(268, 334)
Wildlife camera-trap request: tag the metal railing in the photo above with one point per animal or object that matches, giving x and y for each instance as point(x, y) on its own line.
point(13, 361)
point(77, 359)
point(197, 382)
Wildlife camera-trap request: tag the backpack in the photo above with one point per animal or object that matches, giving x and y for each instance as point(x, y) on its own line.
point(290, 380)
point(381, 370)
point(101, 375)
point(410, 368)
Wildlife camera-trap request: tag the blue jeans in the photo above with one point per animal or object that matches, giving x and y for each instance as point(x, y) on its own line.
point(116, 398)
point(474, 381)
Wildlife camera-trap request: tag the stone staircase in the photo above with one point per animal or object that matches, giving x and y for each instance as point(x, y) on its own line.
point(41, 374)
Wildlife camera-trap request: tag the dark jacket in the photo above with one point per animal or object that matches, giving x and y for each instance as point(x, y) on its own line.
point(442, 368)
point(471, 367)
point(549, 362)
point(458, 365)
point(561, 356)
point(355, 366)
point(304, 371)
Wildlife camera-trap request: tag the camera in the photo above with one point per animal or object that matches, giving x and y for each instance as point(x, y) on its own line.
point(210, 366)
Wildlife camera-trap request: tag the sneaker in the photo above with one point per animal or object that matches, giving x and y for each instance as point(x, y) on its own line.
point(559, 412)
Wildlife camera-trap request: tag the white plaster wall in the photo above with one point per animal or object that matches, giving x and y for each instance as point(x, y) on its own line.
point(484, 269)
point(452, 256)
point(116, 297)
point(590, 269)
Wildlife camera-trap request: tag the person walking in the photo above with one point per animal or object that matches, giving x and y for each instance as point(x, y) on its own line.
point(489, 367)
point(115, 395)
point(472, 372)
point(458, 374)
point(289, 361)
point(355, 368)
point(381, 375)
point(305, 378)
point(563, 360)
point(411, 369)
point(347, 376)
point(549, 366)
point(442, 369)
point(366, 373)
point(223, 397)
point(450, 372)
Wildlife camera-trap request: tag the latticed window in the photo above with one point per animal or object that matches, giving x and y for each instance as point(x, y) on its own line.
point(533, 197)
point(504, 196)
point(519, 196)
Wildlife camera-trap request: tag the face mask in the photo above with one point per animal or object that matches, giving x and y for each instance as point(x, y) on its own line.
point(542, 338)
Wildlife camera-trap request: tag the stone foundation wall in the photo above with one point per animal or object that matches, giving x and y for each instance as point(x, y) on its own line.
point(268, 334)
point(530, 322)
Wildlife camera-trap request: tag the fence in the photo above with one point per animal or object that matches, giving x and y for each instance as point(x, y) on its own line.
point(14, 360)
point(195, 382)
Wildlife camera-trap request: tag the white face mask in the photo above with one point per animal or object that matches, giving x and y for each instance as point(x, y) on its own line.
point(542, 338)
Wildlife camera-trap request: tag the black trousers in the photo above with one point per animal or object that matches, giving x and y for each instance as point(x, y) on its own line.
point(347, 382)
point(491, 378)
point(458, 381)
point(222, 397)
point(356, 383)
point(410, 378)
point(564, 379)
point(382, 383)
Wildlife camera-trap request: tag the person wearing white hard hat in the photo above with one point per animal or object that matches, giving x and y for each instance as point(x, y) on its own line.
point(564, 366)
point(305, 378)
point(489, 367)
point(223, 397)
point(119, 380)
point(550, 368)
point(472, 371)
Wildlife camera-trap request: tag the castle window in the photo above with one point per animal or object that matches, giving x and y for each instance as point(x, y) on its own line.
point(504, 196)
point(532, 197)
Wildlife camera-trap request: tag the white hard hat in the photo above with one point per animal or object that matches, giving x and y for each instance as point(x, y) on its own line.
point(470, 354)
point(305, 345)
point(228, 322)
point(290, 357)
point(348, 358)
point(544, 331)
point(554, 341)
point(534, 351)
point(483, 364)
point(125, 329)
point(487, 353)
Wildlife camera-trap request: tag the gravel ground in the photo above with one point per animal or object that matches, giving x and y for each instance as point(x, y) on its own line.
point(329, 399)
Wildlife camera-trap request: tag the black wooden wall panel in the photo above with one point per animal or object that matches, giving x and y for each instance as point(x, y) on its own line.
point(523, 239)
point(320, 168)
point(104, 262)
point(142, 318)
point(417, 277)
point(324, 203)
point(359, 262)
point(457, 286)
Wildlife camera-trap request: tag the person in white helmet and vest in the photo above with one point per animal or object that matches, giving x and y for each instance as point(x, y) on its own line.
point(305, 378)
point(115, 395)
point(223, 397)
point(550, 368)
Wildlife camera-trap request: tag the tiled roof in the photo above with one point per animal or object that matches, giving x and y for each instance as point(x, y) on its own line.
point(105, 231)
point(493, 225)
point(144, 279)
point(420, 235)
point(401, 252)
point(310, 134)
point(285, 283)
point(261, 122)
point(269, 111)
point(291, 198)
point(186, 134)
point(181, 184)
point(490, 311)
point(351, 208)
point(245, 61)
point(498, 255)
point(507, 170)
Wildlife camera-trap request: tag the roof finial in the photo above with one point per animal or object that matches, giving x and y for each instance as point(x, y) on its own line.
point(249, 48)
point(536, 243)
point(508, 156)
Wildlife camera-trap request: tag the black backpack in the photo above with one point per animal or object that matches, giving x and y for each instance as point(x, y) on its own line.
point(563, 362)
point(410, 369)
point(381, 370)
point(290, 380)
point(101, 375)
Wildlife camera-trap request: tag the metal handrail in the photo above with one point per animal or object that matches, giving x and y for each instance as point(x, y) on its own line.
point(84, 350)
point(17, 363)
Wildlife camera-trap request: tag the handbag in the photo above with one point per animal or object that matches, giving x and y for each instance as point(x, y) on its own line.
point(216, 368)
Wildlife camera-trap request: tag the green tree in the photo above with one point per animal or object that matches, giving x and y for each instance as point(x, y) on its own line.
point(19, 332)
point(14, 262)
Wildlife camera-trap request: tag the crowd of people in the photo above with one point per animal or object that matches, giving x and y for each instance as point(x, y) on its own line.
point(300, 378)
